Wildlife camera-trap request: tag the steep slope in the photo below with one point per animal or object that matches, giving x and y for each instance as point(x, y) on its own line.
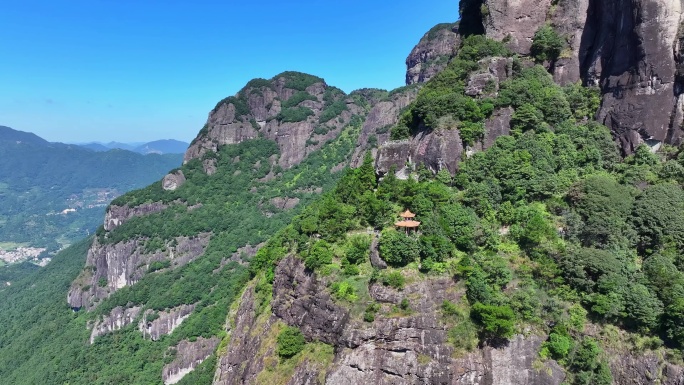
point(630, 49)
point(542, 257)
point(432, 53)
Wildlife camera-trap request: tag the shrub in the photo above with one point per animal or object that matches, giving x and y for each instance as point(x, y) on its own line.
point(158, 265)
point(102, 282)
point(547, 44)
point(294, 114)
point(297, 98)
point(345, 291)
point(319, 255)
point(398, 249)
point(404, 305)
point(496, 321)
point(394, 279)
point(290, 342)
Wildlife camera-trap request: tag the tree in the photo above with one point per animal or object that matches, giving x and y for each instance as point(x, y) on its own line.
point(658, 216)
point(319, 254)
point(643, 308)
point(398, 249)
point(604, 206)
point(525, 118)
point(546, 44)
point(496, 321)
point(290, 342)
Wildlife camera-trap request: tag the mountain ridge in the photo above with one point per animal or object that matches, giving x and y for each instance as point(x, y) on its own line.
point(538, 259)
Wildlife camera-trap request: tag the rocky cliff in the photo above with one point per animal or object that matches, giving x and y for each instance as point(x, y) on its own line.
point(393, 349)
point(299, 112)
point(628, 48)
point(110, 267)
point(432, 53)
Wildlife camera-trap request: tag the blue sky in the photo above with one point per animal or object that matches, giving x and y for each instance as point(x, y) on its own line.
point(139, 70)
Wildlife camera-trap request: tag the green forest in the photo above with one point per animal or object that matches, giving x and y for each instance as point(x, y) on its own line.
point(548, 229)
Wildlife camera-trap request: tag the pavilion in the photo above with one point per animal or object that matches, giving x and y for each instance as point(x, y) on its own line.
point(407, 221)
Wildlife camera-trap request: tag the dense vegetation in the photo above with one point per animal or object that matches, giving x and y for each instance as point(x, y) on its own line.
point(39, 179)
point(548, 229)
point(235, 202)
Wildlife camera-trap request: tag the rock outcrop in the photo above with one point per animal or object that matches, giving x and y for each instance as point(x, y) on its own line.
point(118, 215)
point(436, 149)
point(118, 318)
point(164, 322)
point(383, 115)
point(432, 53)
point(264, 109)
point(515, 21)
point(408, 349)
point(627, 50)
point(188, 356)
point(110, 267)
point(173, 180)
point(630, 49)
point(239, 364)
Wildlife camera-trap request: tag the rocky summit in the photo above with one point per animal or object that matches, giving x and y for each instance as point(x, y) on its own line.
point(536, 147)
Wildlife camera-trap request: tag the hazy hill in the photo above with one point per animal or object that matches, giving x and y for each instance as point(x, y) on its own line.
point(39, 180)
point(163, 146)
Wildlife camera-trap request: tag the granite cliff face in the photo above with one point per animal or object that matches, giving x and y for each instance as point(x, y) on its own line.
point(630, 49)
point(110, 267)
point(410, 349)
point(432, 53)
point(267, 108)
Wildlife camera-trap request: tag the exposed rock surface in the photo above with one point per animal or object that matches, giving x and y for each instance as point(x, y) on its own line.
point(118, 215)
point(409, 349)
point(382, 116)
point(238, 365)
point(498, 124)
point(432, 53)
point(110, 267)
point(299, 299)
point(631, 49)
point(259, 117)
point(173, 180)
point(188, 356)
point(515, 21)
point(118, 318)
point(436, 149)
point(166, 322)
point(284, 203)
point(628, 369)
point(627, 49)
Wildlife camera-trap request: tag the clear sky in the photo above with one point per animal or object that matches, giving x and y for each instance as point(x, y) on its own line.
point(140, 70)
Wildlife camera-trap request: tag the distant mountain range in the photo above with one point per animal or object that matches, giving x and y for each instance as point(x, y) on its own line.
point(163, 146)
point(54, 193)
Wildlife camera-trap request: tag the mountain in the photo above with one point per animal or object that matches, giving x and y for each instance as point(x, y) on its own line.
point(95, 147)
point(9, 135)
point(549, 248)
point(164, 146)
point(54, 193)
